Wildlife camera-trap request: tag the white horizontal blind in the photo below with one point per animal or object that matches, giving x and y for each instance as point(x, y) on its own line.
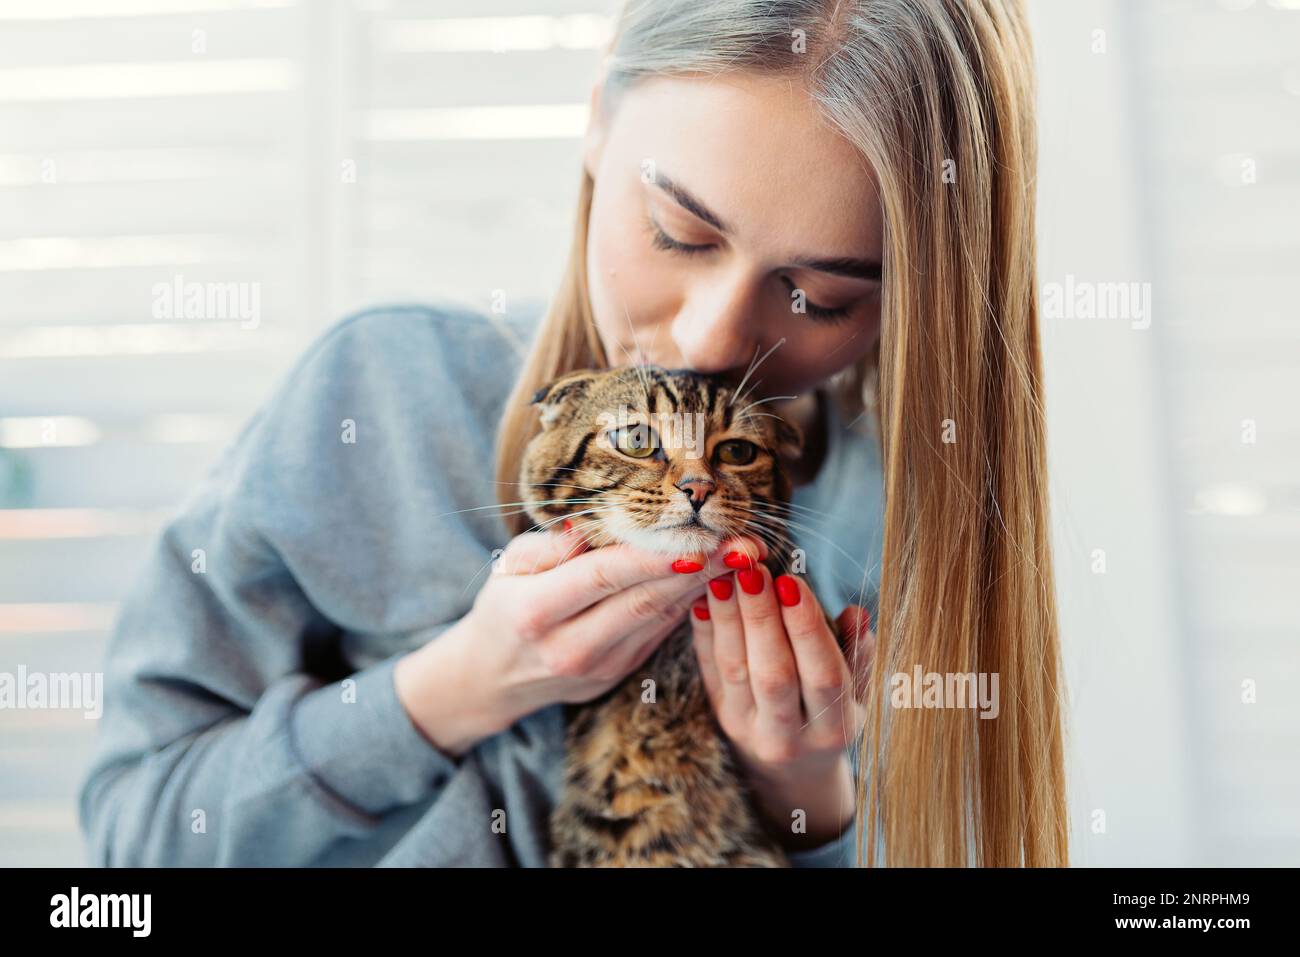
point(325, 155)
point(466, 134)
point(1218, 88)
point(144, 147)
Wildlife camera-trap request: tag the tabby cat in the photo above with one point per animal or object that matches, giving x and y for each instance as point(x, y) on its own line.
point(623, 455)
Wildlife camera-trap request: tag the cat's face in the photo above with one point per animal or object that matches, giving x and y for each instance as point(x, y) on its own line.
point(670, 461)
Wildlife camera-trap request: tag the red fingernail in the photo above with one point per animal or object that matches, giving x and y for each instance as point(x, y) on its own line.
point(787, 590)
point(701, 612)
point(566, 525)
point(738, 560)
point(751, 580)
point(685, 566)
point(721, 588)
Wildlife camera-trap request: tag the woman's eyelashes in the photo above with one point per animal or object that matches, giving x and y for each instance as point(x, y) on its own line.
point(662, 241)
point(820, 313)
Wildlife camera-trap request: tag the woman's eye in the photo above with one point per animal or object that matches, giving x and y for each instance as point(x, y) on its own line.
point(639, 441)
point(661, 240)
point(736, 452)
point(820, 313)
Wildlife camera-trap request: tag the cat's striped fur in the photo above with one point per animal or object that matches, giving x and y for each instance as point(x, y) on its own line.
point(655, 783)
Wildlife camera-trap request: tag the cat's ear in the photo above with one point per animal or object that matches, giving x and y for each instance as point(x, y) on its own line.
point(789, 440)
point(555, 396)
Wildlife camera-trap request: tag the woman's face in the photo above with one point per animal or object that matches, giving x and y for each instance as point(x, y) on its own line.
point(722, 208)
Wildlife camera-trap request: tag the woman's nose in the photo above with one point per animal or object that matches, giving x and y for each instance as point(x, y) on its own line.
point(717, 330)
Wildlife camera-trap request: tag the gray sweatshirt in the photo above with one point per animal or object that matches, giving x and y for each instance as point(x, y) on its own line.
point(250, 714)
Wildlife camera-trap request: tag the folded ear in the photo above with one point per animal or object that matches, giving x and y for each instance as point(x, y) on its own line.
point(789, 440)
point(556, 396)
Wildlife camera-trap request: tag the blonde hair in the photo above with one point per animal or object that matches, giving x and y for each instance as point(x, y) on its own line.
point(938, 95)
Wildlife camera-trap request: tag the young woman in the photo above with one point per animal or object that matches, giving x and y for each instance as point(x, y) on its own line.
point(320, 668)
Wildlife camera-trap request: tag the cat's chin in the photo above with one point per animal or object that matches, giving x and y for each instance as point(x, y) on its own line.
point(674, 540)
point(686, 540)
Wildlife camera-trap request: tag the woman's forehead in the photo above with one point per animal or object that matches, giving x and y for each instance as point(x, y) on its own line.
point(757, 152)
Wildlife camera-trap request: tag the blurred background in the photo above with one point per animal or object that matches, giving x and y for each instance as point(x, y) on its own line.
point(327, 155)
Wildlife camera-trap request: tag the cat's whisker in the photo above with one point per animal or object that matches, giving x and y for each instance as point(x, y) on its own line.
point(617, 484)
point(581, 488)
point(480, 508)
point(549, 523)
point(811, 531)
point(803, 508)
point(753, 367)
point(558, 501)
point(585, 488)
point(637, 364)
point(771, 398)
point(775, 540)
point(544, 526)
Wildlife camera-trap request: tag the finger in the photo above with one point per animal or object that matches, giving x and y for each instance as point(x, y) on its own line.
point(633, 613)
point(533, 552)
point(730, 661)
point(824, 678)
point(702, 641)
point(738, 552)
point(631, 652)
point(859, 642)
point(745, 553)
point(594, 576)
point(773, 674)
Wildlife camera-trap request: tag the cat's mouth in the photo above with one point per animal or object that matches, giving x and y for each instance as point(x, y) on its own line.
point(691, 535)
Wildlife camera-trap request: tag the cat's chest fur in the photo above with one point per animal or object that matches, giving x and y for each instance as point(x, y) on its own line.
point(650, 780)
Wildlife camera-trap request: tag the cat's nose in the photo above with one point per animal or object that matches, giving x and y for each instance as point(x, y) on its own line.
point(697, 490)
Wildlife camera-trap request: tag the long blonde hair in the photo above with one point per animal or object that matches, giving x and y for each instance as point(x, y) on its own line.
point(938, 95)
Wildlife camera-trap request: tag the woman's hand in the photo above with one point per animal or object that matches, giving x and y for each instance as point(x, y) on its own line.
point(556, 621)
point(783, 693)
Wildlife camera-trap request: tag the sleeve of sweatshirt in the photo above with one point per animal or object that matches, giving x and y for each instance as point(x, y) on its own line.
point(224, 741)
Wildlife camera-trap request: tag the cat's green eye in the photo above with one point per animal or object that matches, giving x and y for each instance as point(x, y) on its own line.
point(736, 452)
point(638, 441)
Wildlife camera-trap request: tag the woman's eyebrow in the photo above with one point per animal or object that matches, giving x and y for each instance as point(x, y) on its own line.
point(868, 269)
point(843, 266)
point(688, 201)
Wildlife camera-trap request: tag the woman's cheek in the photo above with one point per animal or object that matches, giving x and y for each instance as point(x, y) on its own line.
point(628, 275)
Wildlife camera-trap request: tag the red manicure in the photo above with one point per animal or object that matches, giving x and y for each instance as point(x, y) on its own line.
point(566, 525)
point(684, 566)
point(721, 588)
point(701, 612)
point(787, 590)
point(738, 560)
point(751, 580)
